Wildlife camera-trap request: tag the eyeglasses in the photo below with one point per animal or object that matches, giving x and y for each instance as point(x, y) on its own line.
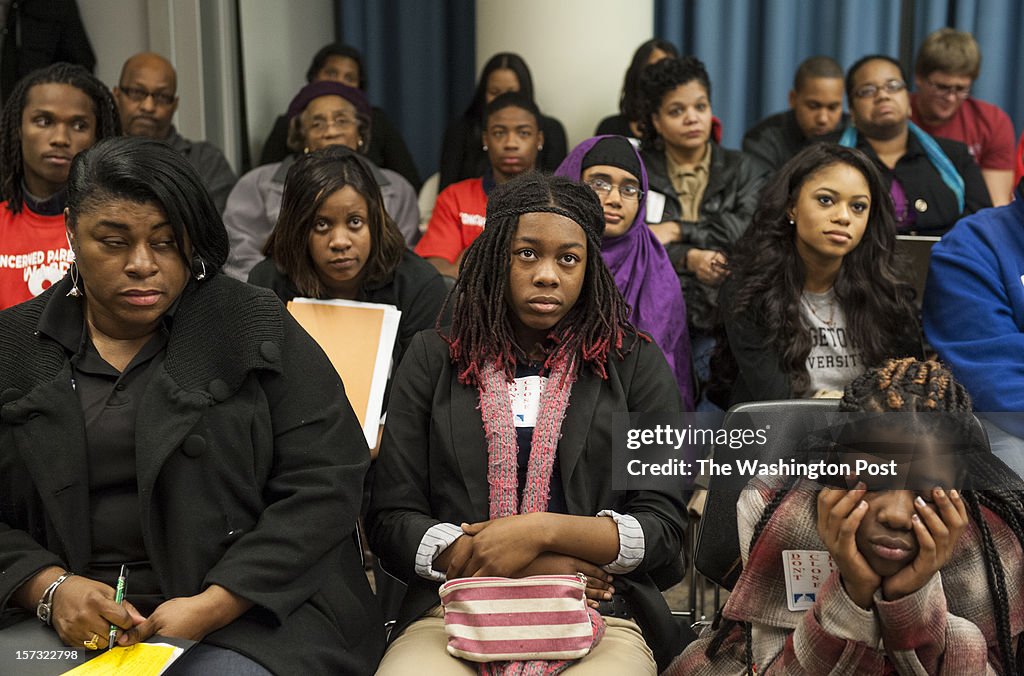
point(138, 95)
point(627, 191)
point(871, 90)
point(320, 125)
point(942, 90)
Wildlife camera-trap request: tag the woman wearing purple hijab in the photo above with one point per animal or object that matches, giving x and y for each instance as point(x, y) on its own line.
point(642, 270)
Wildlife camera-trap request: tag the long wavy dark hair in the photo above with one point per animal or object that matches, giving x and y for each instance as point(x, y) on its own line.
point(631, 100)
point(481, 331)
point(502, 60)
point(768, 274)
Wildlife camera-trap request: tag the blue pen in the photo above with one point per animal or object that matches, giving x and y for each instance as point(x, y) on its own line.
point(122, 584)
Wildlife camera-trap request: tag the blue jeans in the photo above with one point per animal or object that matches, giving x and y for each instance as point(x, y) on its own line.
point(204, 659)
point(701, 346)
point(1005, 446)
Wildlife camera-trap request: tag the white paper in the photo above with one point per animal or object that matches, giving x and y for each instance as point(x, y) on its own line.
point(806, 572)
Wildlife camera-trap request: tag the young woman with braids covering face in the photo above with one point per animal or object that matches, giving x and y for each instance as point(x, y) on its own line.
point(927, 580)
point(496, 457)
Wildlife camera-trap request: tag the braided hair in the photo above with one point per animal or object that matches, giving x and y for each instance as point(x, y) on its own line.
point(12, 170)
point(481, 331)
point(912, 386)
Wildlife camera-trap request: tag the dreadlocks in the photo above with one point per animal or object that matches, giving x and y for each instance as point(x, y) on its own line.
point(12, 171)
point(913, 386)
point(481, 331)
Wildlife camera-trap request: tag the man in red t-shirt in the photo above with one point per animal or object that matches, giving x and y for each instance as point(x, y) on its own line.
point(53, 114)
point(947, 65)
point(511, 138)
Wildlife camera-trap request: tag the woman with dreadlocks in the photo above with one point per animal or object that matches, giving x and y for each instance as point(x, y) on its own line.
point(926, 579)
point(52, 115)
point(496, 458)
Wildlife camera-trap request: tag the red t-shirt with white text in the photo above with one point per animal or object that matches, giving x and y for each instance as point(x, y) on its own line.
point(458, 219)
point(34, 254)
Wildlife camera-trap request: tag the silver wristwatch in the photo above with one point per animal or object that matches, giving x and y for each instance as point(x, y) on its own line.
point(44, 609)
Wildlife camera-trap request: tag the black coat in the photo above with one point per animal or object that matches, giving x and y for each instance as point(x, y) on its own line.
point(250, 464)
point(416, 289)
point(756, 368)
point(777, 138)
point(432, 468)
point(728, 205)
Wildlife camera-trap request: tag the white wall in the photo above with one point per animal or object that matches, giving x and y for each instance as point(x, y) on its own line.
point(197, 36)
point(577, 50)
point(116, 29)
point(278, 41)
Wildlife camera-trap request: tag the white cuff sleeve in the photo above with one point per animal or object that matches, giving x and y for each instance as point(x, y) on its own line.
point(632, 545)
point(437, 539)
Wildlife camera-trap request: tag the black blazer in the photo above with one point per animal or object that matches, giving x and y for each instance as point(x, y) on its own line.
point(755, 367)
point(250, 465)
point(432, 468)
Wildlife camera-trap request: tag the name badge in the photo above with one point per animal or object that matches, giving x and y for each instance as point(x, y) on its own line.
point(524, 394)
point(806, 572)
point(655, 206)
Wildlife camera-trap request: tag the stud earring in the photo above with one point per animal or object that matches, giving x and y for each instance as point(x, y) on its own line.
point(792, 222)
point(485, 147)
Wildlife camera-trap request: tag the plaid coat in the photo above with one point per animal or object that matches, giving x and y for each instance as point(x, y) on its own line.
point(946, 627)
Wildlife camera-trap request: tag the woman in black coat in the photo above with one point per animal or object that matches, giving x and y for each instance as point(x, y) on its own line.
point(160, 414)
point(702, 196)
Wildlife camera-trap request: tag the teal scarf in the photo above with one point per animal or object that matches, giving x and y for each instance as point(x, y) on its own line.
point(950, 176)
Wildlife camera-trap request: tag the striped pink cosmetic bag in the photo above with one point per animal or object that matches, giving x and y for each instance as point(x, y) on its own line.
point(542, 617)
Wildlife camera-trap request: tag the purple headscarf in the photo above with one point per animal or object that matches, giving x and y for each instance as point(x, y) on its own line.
point(645, 277)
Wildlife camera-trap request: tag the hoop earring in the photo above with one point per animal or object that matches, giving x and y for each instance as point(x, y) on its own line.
point(74, 292)
point(198, 268)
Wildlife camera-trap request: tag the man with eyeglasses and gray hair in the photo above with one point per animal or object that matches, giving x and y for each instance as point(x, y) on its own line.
point(947, 65)
point(932, 181)
point(147, 99)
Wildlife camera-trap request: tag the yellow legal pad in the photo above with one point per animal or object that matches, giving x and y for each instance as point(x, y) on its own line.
point(141, 659)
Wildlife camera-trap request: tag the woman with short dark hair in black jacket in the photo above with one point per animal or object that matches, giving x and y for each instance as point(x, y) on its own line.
point(701, 197)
